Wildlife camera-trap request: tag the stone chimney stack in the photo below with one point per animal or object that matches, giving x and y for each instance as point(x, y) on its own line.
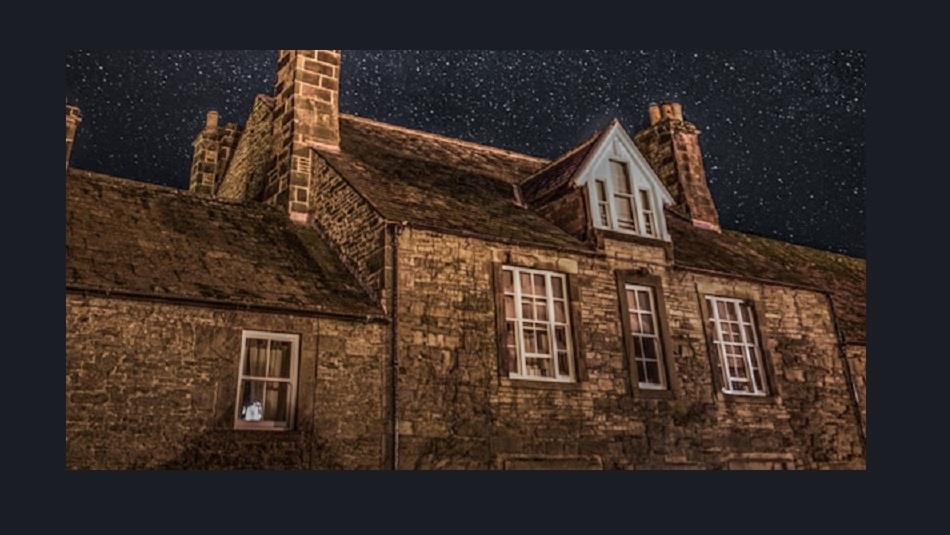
point(306, 118)
point(213, 148)
point(671, 145)
point(73, 118)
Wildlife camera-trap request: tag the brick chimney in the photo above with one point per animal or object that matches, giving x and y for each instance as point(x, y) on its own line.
point(73, 118)
point(671, 145)
point(306, 117)
point(212, 152)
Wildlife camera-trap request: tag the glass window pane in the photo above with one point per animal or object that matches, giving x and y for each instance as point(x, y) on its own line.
point(643, 299)
point(601, 190)
point(649, 348)
point(509, 307)
point(635, 323)
point(560, 314)
point(539, 367)
point(563, 366)
point(527, 309)
point(560, 338)
point(543, 342)
point(252, 401)
point(624, 209)
point(618, 172)
point(652, 372)
point(745, 313)
point(279, 363)
point(508, 280)
point(557, 287)
point(541, 310)
point(529, 341)
point(255, 361)
point(645, 199)
point(646, 322)
point(275, 404)
point(540, 286)
point(526, 284)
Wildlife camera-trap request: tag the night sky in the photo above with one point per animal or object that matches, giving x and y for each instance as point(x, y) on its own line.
point(782, 132)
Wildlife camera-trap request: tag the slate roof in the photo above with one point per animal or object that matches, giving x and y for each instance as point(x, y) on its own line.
point(750, 256)
point(557, 177)
point(134, 238)
point(442, 184)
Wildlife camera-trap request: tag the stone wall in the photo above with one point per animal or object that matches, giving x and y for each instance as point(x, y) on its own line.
point(152, 385)
point(858, 361)
point(455, 411)
point(253, 158)
point(351, 224)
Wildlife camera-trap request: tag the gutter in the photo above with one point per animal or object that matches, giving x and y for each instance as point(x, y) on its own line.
point(393, 347)
point(855, 402)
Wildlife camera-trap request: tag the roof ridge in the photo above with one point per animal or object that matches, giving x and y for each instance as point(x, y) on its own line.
point(117, 180)
point(439, 137)
point(784, 242)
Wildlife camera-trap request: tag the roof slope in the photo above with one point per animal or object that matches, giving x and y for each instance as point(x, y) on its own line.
point(558, 176)
point(442, 184)
point(747, 255)
point(130, 237)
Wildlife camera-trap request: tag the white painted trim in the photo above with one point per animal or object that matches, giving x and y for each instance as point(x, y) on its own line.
point(292, 380)
point(551, 323)
point(637, 166)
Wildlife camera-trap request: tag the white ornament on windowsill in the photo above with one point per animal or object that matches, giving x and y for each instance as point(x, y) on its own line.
point(252, 412)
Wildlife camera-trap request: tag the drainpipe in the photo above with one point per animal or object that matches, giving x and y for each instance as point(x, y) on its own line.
point(394, 360)
point(855, 403)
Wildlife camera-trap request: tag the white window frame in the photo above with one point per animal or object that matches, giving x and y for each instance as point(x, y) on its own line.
point(655, 337)
point(647, 215)
point(266, 425)
point(603, 205)
point(751, 350)
point(516, 293)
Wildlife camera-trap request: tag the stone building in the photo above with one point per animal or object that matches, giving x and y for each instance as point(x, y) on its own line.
point(336, 292)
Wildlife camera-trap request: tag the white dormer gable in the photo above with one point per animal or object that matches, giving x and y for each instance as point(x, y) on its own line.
point(625, 194)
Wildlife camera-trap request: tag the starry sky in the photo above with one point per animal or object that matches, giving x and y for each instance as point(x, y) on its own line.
point(782, 131)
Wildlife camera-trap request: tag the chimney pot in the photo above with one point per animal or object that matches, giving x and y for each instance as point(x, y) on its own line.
point(677, 111)
point(212, 119)
point(654, 111)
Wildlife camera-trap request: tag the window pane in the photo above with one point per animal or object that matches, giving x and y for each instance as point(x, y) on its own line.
point(275, 404)
point(649, 348)
point(527, 309)
point(560, 338)
point(645, 199)
point(544, 346)
point(512, 349)
point(508, 280)
point(526, 284)
point(279, 363)
point(255, 361)
point(559, 312)
point(509, 307)
point(624, 209)
point(539, 367)
point(618, 171)
point(540, 286)
point(564, 367)
point(541, 310)
point(652, 373)
point(745, 313)
point(529, 344)
point(601, 190)
point(643, 299)
point(557, 287)
point(646, 322)
point(635, 323)
point(252, 401)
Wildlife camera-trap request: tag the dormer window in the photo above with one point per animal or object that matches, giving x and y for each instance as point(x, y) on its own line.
point(623, 196)
point(649, 219)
